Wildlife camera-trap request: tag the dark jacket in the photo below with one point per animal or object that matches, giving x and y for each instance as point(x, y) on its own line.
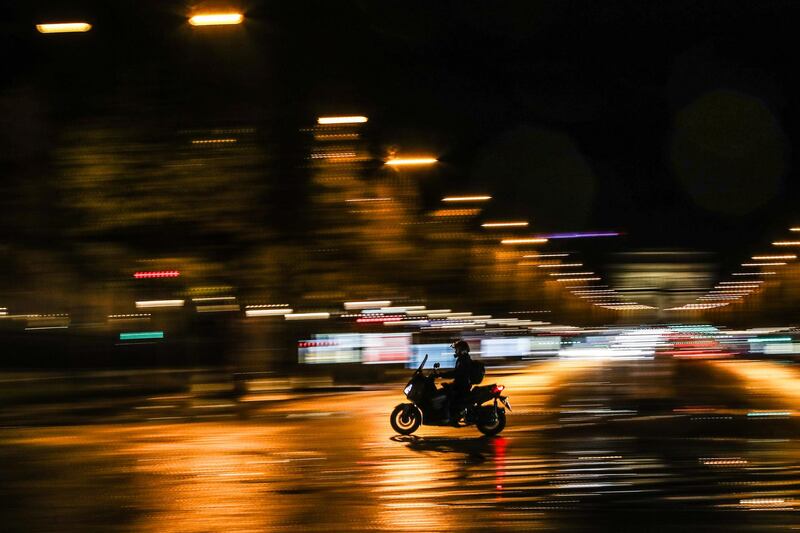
point(460, 374)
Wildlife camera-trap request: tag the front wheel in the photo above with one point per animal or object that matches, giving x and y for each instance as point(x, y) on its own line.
point(405, 419)
point(492, 427)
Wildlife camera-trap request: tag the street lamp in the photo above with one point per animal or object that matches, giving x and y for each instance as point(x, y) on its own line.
point(64, 27)
point(504, 224)
point(216, 19)
point(769, 257)
point(405, 161)
point(356, 119)
point(466, 198)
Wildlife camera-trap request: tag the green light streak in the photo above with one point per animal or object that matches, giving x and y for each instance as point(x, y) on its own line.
point(139, 335)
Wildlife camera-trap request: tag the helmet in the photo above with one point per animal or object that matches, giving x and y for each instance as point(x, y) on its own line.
point(460, 347)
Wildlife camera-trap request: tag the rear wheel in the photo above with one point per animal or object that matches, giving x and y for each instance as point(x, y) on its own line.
point(493, 427)
point(405, 419)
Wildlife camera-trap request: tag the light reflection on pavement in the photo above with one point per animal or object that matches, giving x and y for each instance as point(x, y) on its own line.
point(646, 445)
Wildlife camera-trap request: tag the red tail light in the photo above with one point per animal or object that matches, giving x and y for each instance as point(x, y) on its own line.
point(497, 389)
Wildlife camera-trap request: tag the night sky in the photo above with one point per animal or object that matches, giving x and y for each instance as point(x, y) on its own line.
point(675, 122)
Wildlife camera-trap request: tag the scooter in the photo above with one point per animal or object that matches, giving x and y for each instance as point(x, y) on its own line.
point(429, 405)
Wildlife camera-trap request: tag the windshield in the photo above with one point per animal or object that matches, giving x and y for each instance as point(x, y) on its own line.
point(422, 364)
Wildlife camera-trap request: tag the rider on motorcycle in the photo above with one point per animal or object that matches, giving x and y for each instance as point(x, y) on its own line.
point(460, 388)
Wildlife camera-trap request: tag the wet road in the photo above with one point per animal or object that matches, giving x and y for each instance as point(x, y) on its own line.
point(626, 445)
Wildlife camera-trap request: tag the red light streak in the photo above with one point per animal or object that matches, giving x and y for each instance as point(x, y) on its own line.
point(157, 274)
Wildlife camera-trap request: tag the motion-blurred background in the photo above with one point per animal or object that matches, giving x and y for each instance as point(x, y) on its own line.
point(181, 191)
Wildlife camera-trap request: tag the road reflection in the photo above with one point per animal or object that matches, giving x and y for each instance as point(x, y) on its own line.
point(580, 452)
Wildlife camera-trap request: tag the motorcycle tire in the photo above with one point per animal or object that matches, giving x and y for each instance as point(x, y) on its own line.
point(405, 425)
point(494, 428)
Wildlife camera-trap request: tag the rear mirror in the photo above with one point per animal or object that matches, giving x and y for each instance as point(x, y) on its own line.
point(436, 365)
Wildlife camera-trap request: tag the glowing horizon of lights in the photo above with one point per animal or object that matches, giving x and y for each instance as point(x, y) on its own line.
point(64, 27)
point(157, 274)
point(216, 19)
point(697, 307)
point(408, 161)
point(742, 292)
point(735, 289)
point(532, 240)
point(504, 224)
point(352, 119)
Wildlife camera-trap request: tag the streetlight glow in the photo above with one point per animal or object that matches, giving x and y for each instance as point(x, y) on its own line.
point(357, 119)
point(504, 224)
point(307, 316)
point(64, 27)
point(403, 161)
point(278, 311)
point(770, 257)
point(144, 304)
point(465, 198)
point(216, 19)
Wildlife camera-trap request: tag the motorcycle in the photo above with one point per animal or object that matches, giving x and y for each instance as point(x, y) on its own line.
point(430, 406)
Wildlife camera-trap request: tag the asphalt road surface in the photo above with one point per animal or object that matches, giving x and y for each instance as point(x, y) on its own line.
point(626, 445)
